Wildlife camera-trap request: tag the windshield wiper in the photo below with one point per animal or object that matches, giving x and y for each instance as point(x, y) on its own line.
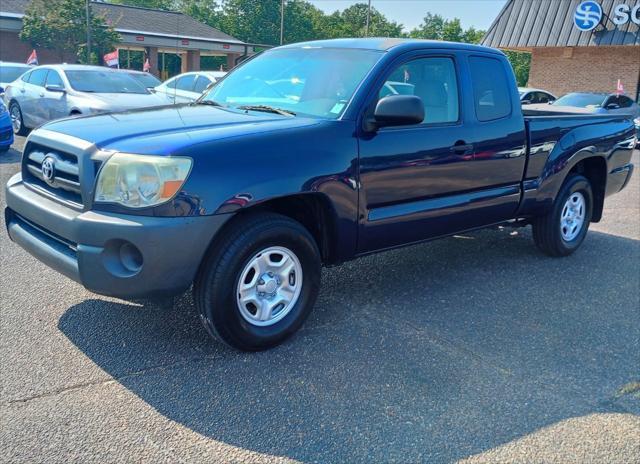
point(267, 109)
point(208, 102)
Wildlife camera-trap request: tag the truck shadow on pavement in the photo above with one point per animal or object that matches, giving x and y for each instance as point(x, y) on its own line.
point(10, 157)
point(434, 352)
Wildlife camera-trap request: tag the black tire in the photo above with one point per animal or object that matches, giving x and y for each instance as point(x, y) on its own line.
point(547, 230)
point(217, 280)
point(23, 130)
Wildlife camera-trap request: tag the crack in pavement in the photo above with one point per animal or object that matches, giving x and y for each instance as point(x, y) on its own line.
point(80, 386)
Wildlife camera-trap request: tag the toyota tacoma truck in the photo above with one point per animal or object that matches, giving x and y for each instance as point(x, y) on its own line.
point(307, 155)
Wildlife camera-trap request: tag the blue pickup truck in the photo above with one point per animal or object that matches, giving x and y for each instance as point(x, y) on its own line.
point(307, 155)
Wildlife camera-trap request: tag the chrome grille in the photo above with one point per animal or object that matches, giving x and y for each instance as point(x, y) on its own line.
point(65, 175)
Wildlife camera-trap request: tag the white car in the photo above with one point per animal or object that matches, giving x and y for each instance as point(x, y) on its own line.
point(187, 87)
point(51, 92)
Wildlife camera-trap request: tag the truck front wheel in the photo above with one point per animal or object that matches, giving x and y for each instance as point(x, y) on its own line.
point(561, 231)
point(259, 282)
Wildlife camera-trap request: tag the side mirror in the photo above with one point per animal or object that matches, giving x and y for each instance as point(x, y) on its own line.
point(396, 110)
point(612, 106)
point(55, 88)
point(1, 89)
point(525, 102)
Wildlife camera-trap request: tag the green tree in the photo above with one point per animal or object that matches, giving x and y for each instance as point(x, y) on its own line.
point(521, 64)
point(205, 11)
point(61, 25)
point(432, 28)
point(354, 23)
point(156, 4)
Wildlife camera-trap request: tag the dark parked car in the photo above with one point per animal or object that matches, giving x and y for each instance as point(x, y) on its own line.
point(529, 96)
point(596, 103)
point(245, 193)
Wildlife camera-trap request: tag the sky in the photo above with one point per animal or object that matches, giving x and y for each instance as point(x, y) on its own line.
point(477, 13)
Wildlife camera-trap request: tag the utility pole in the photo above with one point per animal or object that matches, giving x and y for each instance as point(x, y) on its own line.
point(366, 34)
point(88, 32)
point(281, 22)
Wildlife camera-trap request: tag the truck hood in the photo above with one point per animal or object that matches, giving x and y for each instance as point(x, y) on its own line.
point(168, 129)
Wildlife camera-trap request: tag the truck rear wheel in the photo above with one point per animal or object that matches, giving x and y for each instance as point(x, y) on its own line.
point(259, 282)
point(561, 231)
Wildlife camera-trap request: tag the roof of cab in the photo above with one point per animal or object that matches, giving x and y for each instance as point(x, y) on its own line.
point(388, 43)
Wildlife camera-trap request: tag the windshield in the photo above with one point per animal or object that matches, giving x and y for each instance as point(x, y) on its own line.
point(104, 82)
point(146, 79)
point(316, 82)
point(11, 73)
point(581, 100)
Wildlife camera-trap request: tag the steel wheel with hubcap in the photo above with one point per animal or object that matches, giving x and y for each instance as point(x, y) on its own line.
point(561, 231)
point(259, 281)
point(572, 217)
point(269, 286)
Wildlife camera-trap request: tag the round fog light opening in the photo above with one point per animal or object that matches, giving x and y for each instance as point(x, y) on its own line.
point(130, 257)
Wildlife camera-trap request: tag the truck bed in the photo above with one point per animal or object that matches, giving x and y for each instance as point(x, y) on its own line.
point(552, 133)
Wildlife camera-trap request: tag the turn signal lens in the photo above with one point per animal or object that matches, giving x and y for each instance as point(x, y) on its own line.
point(140, 181)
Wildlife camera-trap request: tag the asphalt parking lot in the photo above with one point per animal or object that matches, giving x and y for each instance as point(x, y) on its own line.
point(475, 347)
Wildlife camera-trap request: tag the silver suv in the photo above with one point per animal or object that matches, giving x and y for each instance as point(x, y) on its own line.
point(56, 91)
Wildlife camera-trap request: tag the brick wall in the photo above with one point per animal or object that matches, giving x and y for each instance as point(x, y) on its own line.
point(595, 69)
point(13, 49)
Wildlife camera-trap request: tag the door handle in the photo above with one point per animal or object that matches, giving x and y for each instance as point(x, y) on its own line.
point(22, 90)
point(42, 95)
point(461, 148)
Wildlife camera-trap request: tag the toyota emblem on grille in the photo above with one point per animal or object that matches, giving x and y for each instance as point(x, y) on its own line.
point(48, 169)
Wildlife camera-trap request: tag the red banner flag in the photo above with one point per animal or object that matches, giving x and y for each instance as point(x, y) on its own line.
point(33, 58)
point(619, 87)
point(111, 59)
point(146, 67)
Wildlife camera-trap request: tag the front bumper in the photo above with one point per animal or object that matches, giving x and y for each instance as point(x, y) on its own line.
point(125, 256)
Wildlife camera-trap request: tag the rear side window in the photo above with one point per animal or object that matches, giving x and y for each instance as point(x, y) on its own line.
point(491, 90)
point(26, 77)
point(201, 84)
point(38, 76)
point(186, 82)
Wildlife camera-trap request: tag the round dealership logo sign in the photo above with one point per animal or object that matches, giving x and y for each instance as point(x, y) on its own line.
point(588, 15)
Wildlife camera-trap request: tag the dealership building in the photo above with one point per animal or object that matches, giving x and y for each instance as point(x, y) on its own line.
point(163, 36)
point(575, 45)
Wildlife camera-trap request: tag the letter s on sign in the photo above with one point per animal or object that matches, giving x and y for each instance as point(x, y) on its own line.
point(621, 14)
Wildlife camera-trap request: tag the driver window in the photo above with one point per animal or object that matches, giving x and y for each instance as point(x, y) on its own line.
point(431, 79)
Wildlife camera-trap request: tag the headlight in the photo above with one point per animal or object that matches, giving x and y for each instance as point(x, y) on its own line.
point(139, 181)
point(637, 122)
